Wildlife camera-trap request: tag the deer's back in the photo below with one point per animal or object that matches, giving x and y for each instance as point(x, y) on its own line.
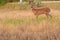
point(38, 11)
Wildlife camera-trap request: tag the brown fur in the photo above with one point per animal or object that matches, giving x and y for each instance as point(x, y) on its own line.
point(40, 10)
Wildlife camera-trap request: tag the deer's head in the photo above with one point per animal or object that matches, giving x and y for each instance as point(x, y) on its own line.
point(32, 4)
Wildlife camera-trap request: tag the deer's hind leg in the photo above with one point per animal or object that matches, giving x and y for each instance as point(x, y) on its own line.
point(48, 15)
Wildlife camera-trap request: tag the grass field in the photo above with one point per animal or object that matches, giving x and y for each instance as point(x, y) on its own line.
point(16, 24)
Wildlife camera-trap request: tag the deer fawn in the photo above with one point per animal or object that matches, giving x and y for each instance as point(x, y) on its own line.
point(40, 10)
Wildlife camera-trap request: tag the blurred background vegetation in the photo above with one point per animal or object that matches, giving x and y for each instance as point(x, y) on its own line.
point(15, 4)
point(6, 1)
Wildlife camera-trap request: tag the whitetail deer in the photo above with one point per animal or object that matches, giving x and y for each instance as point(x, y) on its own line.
point(40, 10)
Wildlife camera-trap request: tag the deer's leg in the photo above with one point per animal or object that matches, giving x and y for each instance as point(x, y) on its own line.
point(50, 15)
point(47, 15)
point(36, 16)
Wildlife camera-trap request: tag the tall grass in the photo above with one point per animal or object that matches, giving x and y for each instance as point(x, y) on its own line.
point(28, 20)
point(30, 28)
point(44, 30)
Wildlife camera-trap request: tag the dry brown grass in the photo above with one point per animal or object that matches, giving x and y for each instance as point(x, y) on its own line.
point(22, 25)
point(44, 30)
point(48, 29)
